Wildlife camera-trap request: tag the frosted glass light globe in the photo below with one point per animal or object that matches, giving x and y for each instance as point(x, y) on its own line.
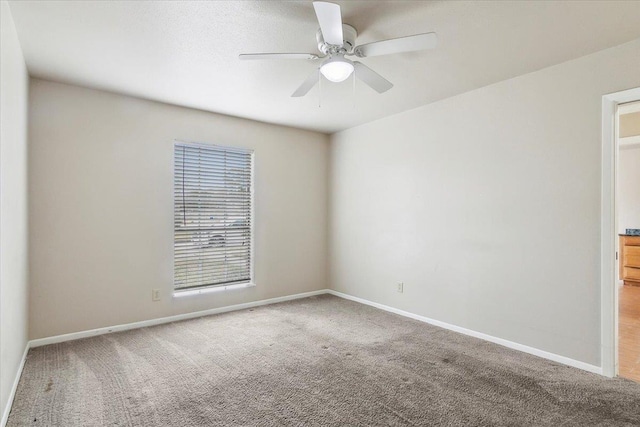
point(337, 69)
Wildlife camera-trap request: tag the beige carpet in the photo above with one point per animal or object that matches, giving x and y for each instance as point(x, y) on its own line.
point(321, 361)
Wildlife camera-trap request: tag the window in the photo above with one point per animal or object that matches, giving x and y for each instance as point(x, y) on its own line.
point(212, 216)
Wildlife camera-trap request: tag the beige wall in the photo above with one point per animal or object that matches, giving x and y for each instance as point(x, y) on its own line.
point(628, 188)
point(629, 124)
point(486, 205)
point(101, 207)
point(13, 205)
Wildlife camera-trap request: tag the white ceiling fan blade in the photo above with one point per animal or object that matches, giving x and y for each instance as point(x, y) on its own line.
point(330, 19)
point(399, 45)
point(306, 86)
point(370, 77)
point(278, 56)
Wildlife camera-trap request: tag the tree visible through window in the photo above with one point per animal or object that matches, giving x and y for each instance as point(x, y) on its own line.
point(212, 215)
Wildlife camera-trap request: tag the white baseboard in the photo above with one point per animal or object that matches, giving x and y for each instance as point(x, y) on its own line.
point(152, 322)
point(12, 394)
point(169, 319)
point(510, 344)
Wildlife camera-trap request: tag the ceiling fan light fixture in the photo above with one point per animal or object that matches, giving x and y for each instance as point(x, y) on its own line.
point(337, 69)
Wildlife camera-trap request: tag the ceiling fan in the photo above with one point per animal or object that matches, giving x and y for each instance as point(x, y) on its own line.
point(337, 40)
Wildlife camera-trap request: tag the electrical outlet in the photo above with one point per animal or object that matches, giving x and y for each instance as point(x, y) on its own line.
point(155, 295)
point(400, 287)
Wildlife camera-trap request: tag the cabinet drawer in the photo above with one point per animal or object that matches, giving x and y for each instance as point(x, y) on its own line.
point(631, 240)
point(631, 261)
point(631, 256)
point(632, 250)
point(630, 273)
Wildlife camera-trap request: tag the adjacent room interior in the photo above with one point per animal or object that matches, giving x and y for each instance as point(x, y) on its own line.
point(628, 210)
point(236, 213)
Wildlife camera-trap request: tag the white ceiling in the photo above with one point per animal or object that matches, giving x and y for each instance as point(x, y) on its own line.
point(186, 53)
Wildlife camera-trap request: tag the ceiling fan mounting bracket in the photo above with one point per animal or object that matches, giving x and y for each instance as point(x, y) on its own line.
point(349, 35)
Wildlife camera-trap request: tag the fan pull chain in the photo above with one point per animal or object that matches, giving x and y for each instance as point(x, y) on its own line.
point(319, 89)
point(354, 89)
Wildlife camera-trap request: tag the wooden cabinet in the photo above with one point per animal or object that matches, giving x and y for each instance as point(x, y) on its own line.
point(630, 260)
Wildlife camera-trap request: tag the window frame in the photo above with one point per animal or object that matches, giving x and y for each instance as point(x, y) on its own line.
point(222, 287)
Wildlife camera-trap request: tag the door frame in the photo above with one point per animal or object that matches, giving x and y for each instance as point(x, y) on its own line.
point(608, 229)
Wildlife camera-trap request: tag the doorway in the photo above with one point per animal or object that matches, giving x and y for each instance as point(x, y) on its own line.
point(628, 220)
point(618, 309)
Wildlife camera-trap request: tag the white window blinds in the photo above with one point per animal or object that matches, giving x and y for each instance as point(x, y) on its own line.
point(212, 215)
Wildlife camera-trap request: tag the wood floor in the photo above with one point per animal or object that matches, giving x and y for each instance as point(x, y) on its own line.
point(629, 333)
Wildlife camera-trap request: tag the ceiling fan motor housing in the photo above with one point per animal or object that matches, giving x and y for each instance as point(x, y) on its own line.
point(349, 35)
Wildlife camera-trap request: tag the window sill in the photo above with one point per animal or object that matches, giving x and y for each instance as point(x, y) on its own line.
point(178, 294)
